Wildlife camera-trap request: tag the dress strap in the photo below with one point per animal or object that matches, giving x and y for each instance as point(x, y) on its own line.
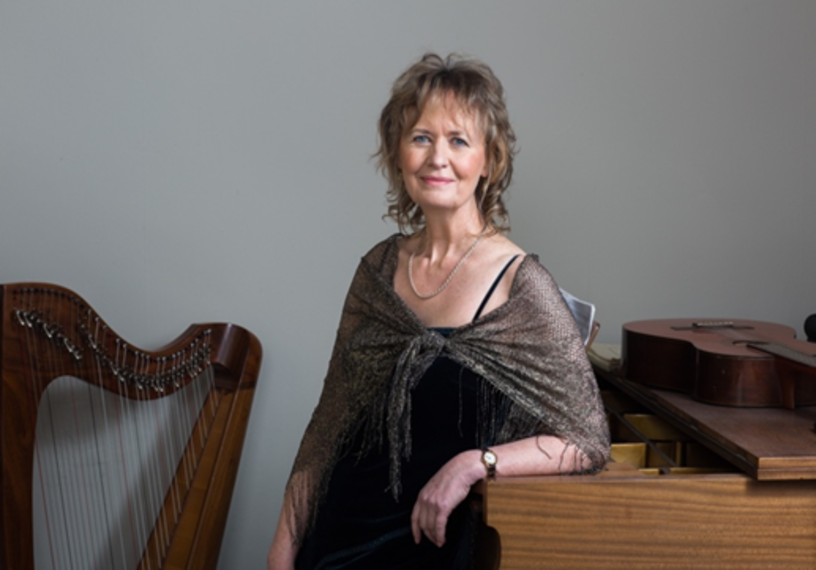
point(493, 287)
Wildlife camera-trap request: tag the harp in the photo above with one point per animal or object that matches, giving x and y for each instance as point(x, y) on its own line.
point(112, 456)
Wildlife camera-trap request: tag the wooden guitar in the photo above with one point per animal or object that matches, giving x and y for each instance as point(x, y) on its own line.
point(731, 363)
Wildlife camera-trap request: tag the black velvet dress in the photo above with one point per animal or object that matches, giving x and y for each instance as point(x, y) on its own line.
point(361, 526)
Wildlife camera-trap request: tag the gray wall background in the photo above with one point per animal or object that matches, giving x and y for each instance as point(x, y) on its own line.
point(178, 162)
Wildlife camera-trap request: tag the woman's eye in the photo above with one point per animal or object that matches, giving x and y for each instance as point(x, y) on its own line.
point(421, 139)
point(459, 141)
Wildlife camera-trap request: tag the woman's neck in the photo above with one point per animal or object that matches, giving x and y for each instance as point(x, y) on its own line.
point(443, 237)
point(437, 246)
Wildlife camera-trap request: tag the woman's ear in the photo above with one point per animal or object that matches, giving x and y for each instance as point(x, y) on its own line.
point(488, 169)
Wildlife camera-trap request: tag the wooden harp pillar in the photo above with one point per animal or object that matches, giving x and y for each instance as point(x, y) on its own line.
point(203, 383)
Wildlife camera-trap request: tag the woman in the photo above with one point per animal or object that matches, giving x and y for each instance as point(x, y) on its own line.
point(456, 358)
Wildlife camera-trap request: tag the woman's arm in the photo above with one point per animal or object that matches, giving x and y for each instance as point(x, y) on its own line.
point(537, 455)
point(284, 549)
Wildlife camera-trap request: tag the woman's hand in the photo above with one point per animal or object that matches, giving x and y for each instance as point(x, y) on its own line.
point(537, 455)
point(445, 490)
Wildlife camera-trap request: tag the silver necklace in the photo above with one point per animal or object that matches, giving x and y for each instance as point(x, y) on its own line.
point(448, 280)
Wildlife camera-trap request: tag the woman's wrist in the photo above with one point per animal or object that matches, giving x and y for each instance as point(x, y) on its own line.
point(476, 467)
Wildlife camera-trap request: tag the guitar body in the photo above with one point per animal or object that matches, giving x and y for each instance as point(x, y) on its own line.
point(722, 362)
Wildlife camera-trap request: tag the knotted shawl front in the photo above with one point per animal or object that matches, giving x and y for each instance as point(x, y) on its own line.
point(529, 349)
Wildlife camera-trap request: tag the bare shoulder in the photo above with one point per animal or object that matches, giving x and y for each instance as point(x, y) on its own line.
point(507, 245)
point(501, 259)
point(500, 250)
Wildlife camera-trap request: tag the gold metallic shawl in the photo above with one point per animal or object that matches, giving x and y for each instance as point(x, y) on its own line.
point(528, 349)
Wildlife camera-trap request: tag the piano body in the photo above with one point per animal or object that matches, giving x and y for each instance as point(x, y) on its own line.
point(691, 486)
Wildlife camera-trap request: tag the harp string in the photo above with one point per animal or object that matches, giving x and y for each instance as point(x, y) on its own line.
point(160, 479)
point(113, 552)
point(83, 498)
point(71, 490)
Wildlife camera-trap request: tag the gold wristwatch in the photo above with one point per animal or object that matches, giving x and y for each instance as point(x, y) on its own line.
point(489, 458)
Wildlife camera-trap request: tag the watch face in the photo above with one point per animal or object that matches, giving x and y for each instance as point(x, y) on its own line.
point(489, 457)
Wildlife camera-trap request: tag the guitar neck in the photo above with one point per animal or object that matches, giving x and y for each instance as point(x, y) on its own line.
point(786, 352)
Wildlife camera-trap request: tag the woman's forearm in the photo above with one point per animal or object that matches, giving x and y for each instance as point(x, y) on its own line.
point(284, 547)
point(538, 455)
point(542, 455)
point(283, 551)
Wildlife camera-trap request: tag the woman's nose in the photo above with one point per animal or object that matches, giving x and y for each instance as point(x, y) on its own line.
point(439, 155)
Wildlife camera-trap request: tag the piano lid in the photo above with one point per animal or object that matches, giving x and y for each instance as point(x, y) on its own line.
point(769, 444)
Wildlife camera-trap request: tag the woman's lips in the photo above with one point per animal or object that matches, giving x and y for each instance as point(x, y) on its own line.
point(436, 180)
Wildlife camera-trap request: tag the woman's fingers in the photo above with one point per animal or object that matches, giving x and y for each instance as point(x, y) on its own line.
point(443, 493)
point(429, 519)
point(416, 527)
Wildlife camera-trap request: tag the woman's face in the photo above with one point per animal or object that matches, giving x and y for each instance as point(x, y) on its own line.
point(442, 157)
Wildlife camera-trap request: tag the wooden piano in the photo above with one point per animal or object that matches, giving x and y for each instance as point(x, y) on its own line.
point(691, 486)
